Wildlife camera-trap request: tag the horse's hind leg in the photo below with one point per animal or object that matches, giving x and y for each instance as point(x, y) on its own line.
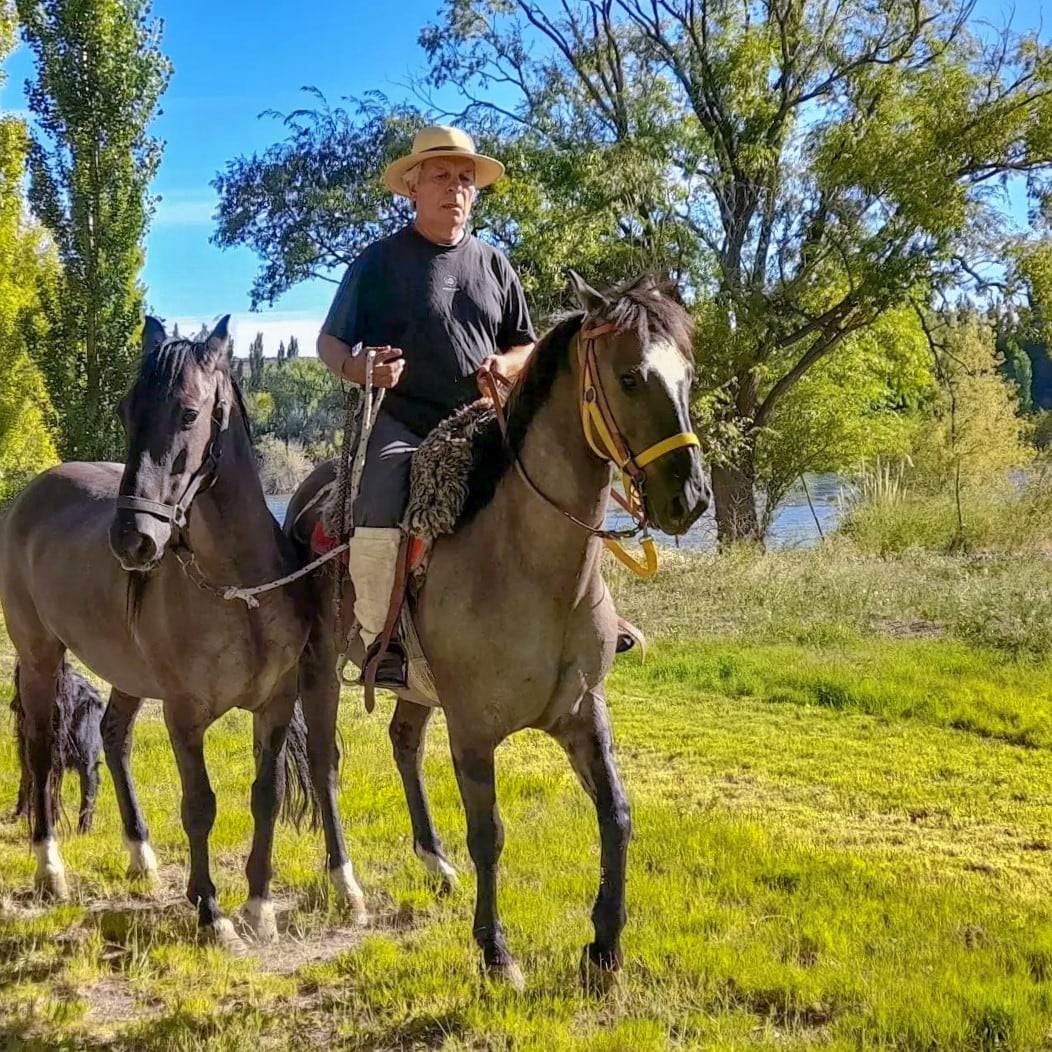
point(320, 699)
point(473, 763)
point(186, 729)
point(588, 742)
point(37, 685)
point(407, 731)
point(118, 722)
point(270, 726)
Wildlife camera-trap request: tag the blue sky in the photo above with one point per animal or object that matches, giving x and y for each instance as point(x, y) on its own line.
point(233, 60)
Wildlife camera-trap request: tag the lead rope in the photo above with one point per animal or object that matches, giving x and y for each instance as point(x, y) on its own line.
point(366, 410)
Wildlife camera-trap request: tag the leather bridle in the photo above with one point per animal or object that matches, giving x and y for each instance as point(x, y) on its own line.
point(606, 441)
point(175, 515)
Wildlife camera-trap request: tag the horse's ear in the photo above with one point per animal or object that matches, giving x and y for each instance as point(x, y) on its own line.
point(219, 338)
point(153, 335)
point(587, 297)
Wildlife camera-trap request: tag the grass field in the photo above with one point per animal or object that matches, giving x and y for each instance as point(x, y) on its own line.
point(841, 776)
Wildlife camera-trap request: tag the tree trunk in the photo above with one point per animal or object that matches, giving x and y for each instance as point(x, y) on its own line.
point(734, 494)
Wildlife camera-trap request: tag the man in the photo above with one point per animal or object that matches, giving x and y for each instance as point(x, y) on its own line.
point(438, 305)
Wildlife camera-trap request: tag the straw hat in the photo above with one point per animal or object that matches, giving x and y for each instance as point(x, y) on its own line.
point(441, 141)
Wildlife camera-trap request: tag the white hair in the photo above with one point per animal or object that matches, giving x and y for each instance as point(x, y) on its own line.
point(411, 176)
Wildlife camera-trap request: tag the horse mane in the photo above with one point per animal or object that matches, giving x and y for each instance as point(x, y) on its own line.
point(160, 369)
point(639, 306)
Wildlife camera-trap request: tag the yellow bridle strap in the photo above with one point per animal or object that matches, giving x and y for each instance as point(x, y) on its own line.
point(640, 569)
point(659, 449)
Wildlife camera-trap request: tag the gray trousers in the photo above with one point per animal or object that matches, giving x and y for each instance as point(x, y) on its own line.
point(384, 489)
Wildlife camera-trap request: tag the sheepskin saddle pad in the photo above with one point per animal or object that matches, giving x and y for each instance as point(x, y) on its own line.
point(447, 467)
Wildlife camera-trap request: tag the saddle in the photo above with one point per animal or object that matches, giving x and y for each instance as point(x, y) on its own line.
point(451, 472)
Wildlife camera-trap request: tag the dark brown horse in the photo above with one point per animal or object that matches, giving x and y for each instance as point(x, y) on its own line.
point(514, 616)
point(123, 566)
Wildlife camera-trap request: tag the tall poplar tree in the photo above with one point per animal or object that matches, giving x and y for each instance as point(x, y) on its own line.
point(100, 74)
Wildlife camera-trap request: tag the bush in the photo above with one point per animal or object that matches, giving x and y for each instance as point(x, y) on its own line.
point(282, 465)
point(888, 517)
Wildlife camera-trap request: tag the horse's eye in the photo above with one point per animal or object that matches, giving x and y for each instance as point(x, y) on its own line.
point(189, 416)
point(629, 381)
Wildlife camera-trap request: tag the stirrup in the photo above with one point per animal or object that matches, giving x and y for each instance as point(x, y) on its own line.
point(392, 672)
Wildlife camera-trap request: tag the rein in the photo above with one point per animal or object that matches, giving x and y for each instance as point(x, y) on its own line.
point(604, 438)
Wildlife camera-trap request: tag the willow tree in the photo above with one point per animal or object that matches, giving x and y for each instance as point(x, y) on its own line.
point(803, 166)
point(99, 77)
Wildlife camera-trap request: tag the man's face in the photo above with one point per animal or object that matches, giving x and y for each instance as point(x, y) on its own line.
point(445, 192)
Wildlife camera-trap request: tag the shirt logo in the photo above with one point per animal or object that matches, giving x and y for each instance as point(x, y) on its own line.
point(449, 282)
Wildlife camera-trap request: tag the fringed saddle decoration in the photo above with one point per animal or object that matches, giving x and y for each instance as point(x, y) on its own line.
point(442, 468)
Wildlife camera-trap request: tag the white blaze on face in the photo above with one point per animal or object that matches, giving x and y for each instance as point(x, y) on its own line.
point(664, 360)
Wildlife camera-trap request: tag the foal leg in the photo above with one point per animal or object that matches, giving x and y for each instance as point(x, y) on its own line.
point(118, 722)
point(320, 699)
point(186, 730)
point(89, 791)
point(270, 725)
point(588, 742)
point(473, 763)
point(37, 685)
point(407, 732)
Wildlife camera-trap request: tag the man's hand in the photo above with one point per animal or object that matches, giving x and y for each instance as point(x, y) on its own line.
point(388, 366)
point(509, 364)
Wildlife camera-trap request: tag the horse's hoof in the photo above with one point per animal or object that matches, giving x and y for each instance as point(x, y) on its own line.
point(50, 877)
point(599, 974)
point(349, 893)
point(507, 974)
point(259, 916)
point(449, 882)
point(142, 862)
point(221, 933)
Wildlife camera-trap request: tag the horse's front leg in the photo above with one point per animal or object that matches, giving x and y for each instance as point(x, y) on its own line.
point(473, 763)
point(408, 733)
point(588, 742)
point(320, 700)
point(118, 723)
point(270, 726)
point(37, 684)
point(186, 730)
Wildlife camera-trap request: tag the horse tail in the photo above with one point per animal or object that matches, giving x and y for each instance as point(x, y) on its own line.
point(299, 798)
point(60, 722)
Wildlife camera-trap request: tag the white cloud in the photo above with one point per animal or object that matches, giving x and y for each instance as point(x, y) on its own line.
point(276, 326)
point(184, 208)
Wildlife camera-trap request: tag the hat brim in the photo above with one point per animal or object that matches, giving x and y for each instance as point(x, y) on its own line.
point(487, 169)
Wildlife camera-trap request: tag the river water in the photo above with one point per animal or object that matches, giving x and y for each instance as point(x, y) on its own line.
point(794, 523)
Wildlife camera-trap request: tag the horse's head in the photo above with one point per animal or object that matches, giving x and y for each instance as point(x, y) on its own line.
point(175, 416)
point(636, 367)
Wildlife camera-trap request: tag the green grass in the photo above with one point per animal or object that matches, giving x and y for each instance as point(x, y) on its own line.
point(843, 840)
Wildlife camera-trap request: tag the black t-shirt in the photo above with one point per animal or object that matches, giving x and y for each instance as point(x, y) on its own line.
point(447, 307)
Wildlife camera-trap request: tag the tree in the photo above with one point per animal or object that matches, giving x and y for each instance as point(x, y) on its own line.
point(99, 76)
point(976, 434)
point(307, 206)
point(281, 353)
point(28, 269)
point(800, 168)
point(803, 166)
point(255, 363)
point(302, 402)
point(293, 348)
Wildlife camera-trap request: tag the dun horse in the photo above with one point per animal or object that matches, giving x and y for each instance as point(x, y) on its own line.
point(514, 615)
point(124, 568)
